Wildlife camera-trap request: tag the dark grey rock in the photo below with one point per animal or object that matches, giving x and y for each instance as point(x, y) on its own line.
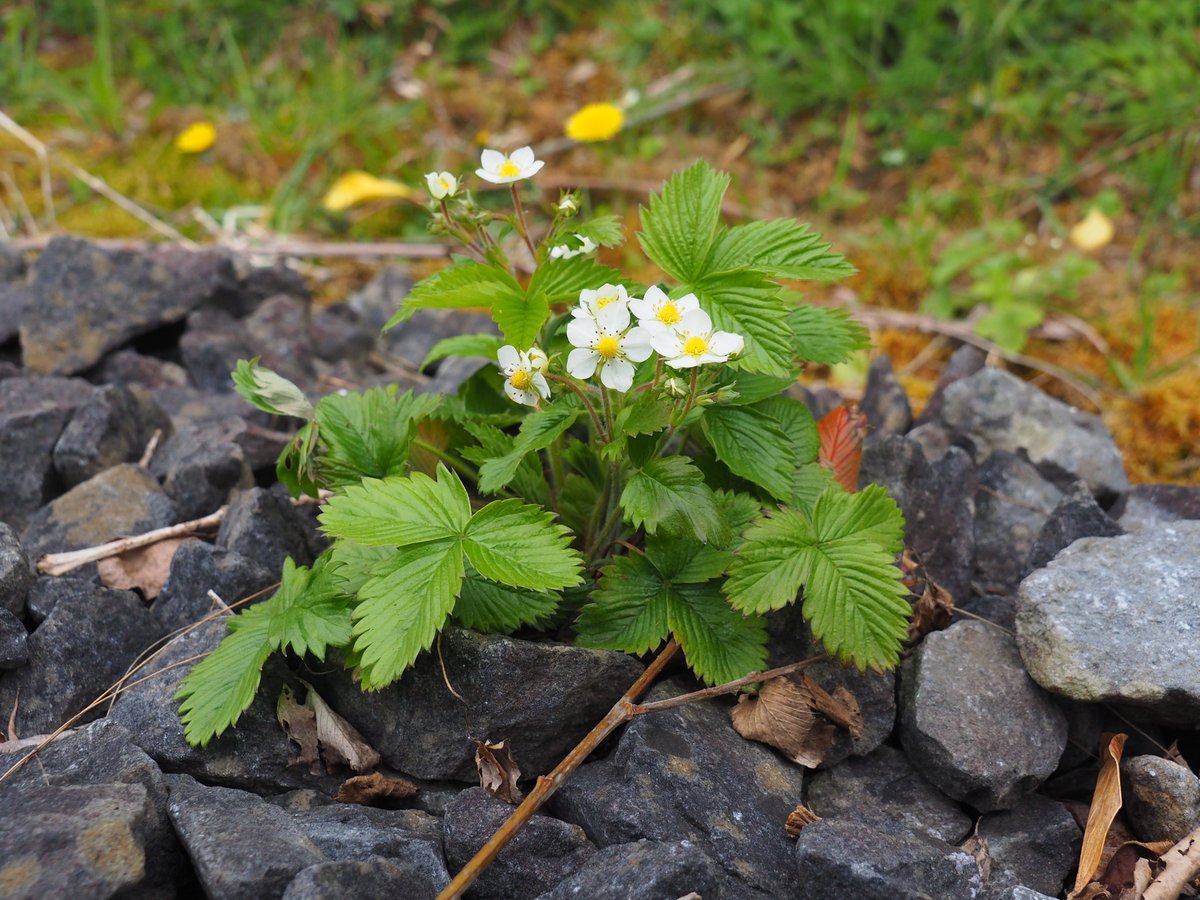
point(120, 501)
point(1012, 506)
point(954, 689)
point(884, 402)
point(413, 339)
point(87, 643)
point(885, 786)
point(1076, 516)
point(47, 590)
point(86, 301)
point(641, 871)
point(1104, 622)
point(338, 334)
point(369, 879)
point(33, 414)
point(452, 373)
point(240, 845)
point(265, 527)
point(13, 650)
point(933, 439)
point(684, 774)
point(14, 299)
point(1153, 504)
point(938, 502)
point(542, 697)
point(1001, 412)
point(113, 427)
point(1018, 892)
point(1036, 843)
point(196, 569)
point(963, 363)
point(130, 368)
point(75, 841)
point(542, 854)
point(1162, 798)
point(378, 301)
point(346, 831)
point(210, 348)
point(198, 468)
point(16, 573)
point(12, 264)
point(838, 859)
point(279, 333)
point(256, 283)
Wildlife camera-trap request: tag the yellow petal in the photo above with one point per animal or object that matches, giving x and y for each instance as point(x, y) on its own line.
point(1093, 232)
point(354, 188)
point(196, 138)
point(595, 122)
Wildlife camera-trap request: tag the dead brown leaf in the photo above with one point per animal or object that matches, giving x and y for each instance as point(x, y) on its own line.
point(1106, 803)
point(782, 714)
point(322, 734)
point(840, 707)
point(933, 608)
point(498, 771)
point(375, 789)
point(299, 722)
point(798, 818)
point(144, 569)
point(978, 848)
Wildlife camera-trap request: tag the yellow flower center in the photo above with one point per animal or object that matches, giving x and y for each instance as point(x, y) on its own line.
point(694, 346)
point(608, 347)
point(509, 169)
point(521, 379)
point(602, 302)
point(668, 314)
point(445, 185)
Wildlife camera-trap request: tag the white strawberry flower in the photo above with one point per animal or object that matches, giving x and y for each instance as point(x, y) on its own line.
point(591, 302)
point(539, 359)
point(498, 168)
point(441, 185)
point(658, 313)
point(694, 343)
point(604, 342)
point(564, 251)
point(523, 378)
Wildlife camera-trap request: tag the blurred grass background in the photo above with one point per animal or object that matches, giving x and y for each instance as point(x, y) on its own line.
point(948, 146)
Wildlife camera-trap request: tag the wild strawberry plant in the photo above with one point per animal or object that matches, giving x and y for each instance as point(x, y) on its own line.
point(630, 465)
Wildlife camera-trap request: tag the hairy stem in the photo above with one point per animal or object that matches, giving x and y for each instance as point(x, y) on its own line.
point(600, 433)
point(523, 224)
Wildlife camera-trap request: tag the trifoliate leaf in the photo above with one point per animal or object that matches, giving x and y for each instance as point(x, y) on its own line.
point(647, 413)
point(311, 610)
point(606, 231)
point(518, 544)
point(685, 561)
point(529, 480)
point(561, 280)
point(481, 345)
point(366, 435)
point(629, 611)
point(746, 303)
point(489, 606)
point(465, 284)
point(402, 607)
point(353, 563)
point(270, 392)
point(521, 317)
point(719, 643)
point(679, 226)
point(825, 335)
point(399, 511)
point(797, 423)
point(538, 431)
point(782, 248)
point(808, 484)
point(752, 444)
point(669, 494)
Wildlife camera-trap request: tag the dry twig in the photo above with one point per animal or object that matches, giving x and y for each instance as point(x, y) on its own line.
point(1182, 864)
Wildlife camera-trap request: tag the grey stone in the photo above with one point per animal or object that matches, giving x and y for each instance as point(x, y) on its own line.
point(1153, 504)
point(963, 363)
point(1018, 892)
point(1076, 516)
point(838, 859)
point(16, 573)
point(1012, 506)
point(210, 348)
point(541, 855)
point(1162, 798)
point(345, 831)
point(884, 402)
point(885, 786)
point(14, 652)
point(542, 697)
point(413, 339)
point(964, 695)
point(933, 439)
point(280, 334)
point(120, 501)
point(75, 841)
point(130, 368)
point(641, 871)
point(1115, 620)
point(87, 643)
point(47, 590)
point(376, 303)
point(113, 427)
point(369, 879)
point(14, 298)
point(12, 264)
point(684, 774)
point(33, 414)
point(938, 503)
point(265, 527)
point(338, 334)
point(86, 301)
point(257, 283)
point(198, 468)
point(1036, 843)
point(240, 846)
point(1002, 412)
point(197, 568)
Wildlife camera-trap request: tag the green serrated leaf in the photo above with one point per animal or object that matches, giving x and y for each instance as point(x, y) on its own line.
point(465, 284)
point(519, 544)
point(354, 562)
point(720, 644)
point(753, 444)
point(538, 431)
point(399, 511)
point(270, 392)
point(521, 317)
point(402, 607)
point(366, 435)
point(869, 515)
point(782, 248)
point(752, 387)
point(529, 481)
point(606, 230)
point(826, 335)
point(747, 303)
point(679, 226)
point(296, 467)
point(628, 612)
point(798, 424)
point(486, 605)
point(311, 610)
point(810, 482)
point(669, 494)
point(647, 413)
point(484, 346)
point(561, 280)
point(684, 561)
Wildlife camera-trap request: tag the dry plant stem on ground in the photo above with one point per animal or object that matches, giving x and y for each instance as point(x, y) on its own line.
point(623, 711)
point(1182, 865)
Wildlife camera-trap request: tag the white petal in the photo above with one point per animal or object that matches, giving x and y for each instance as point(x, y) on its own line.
point(706, 358)
point(582, 332)
point(655, 296)
point(491, 160)
point(617, 374)
point(695, 321)
point(435, 188)
point(666, 343)
point(614, 318)
point(687, 303)
point(683, 362)
point(581, 363)
point(526, 398)
point(558, 251)
point(636, 344)
point(726, 343)
point(490, 176)
point(533, 170)
point(508, 356)
point(643, 309)
point(543, 386)
point(523, 158)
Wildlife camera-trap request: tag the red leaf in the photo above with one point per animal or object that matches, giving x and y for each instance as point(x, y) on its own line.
point(842, 432)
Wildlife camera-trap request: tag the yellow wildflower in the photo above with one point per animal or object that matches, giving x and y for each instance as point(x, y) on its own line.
point(196, 138)
point(1093, 232)
point(354, 188)
point(595, 122)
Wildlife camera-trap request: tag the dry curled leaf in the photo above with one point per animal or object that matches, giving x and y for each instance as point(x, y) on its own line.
point(798, 819)
point(933, 606)
point(842, 431)
point(1106, 802)
point(322, 734)
point(375, 789)
point(498, 771)
point(299, 722)
point(144, 569)
point(978, 848)
point(782, 714)
point(840, 707)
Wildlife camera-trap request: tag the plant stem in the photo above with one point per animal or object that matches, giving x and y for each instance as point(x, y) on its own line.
point(608, 413)
point(687, 408)
point(728, 687)
point(548, 784)
point(521, 219)
point(557, 477)
point(458, 231)
point(463, 468)
point(600, 433)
